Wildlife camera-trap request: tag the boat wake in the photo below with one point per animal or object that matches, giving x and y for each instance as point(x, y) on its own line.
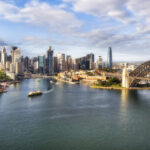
point(49, 91)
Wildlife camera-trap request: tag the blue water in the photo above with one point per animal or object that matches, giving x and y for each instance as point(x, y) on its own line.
point(73, 117)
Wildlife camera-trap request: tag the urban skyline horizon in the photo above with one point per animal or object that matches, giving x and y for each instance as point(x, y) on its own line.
point(75, 57)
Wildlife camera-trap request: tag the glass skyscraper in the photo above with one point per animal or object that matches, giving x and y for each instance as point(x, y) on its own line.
point(109, 58)
point(49, 63)
point(41, 62)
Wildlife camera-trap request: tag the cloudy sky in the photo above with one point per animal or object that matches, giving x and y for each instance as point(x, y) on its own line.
point(78, 27)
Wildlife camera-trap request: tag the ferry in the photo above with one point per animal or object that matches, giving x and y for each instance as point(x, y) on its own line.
point(51, 81)
point(35, 93)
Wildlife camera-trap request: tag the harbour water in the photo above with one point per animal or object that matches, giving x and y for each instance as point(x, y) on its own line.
point(73, 117)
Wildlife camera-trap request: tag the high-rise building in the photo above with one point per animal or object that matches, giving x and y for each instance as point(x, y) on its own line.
point(17, 55)
point(84, 63)
point(26, 63)
point(61, 62)
point(13, 54)
point(90, 61)
point(41, 64)
point(19, 68)
point(7, 65)
point(16, 66)
point(69, 62)
point(32, 65)
point(99, 63)
point(109, 58)
point(49, 61)
point(55, 64)
point(76, 64)
point(35, 67)
point(3, 57)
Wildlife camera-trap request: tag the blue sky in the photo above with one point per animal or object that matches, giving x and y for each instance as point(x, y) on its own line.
point(77, 27)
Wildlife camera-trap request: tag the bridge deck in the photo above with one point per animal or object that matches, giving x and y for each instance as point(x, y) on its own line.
point(108, 74)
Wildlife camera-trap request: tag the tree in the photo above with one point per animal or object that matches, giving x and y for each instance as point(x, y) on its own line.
point(3, 77)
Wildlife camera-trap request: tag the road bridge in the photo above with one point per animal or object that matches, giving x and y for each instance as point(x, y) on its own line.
point(133, 78)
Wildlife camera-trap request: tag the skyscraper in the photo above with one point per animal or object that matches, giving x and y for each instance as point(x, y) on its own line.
point(99, 63)
point(17, 65)
point(90, 61)
point(69, 62)
point(26, 63)
point(109, 58)
point(55, 65)
point(3, 57)
point(16, 55)
point(41, 64)
point(61, 62)
point(49, 61)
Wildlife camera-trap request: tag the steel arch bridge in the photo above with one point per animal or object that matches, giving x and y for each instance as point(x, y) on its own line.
point(140, 72)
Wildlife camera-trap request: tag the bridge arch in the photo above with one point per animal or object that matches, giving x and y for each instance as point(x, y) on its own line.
point(140, 71)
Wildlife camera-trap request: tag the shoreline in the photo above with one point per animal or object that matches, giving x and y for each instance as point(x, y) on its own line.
point(4, 85)
point(70, 82)
point(8, 83)
point(119, 88)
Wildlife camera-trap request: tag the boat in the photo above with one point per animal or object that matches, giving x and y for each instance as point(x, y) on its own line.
point(35, 93)
point(51, 81)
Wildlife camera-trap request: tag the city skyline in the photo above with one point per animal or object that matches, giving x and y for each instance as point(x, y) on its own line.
point(78, 28)
point(48, 62)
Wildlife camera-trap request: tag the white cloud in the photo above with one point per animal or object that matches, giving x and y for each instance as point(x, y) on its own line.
point(115, 9)
point(140, 9)
point(134, 16)
point(41, 14)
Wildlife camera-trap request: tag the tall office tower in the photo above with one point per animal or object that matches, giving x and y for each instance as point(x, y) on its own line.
point(17, 65)
point(61, 62)
point(14, 48)
point(8, 62)
point(19, 68)
point(3, 57)
point(7, 65)
point(16, 58)
point(55, 64)
point(83, 63)
point(26, 63)
point(49, 61)
point(109, 58)
point(99, 63)
point(76, 64)
point(15, 55)
point(35, 67)
point(90, 61)
point(69, 62)
point(41, 64)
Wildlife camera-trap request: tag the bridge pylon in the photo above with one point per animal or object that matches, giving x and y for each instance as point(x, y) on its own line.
point(125, 78)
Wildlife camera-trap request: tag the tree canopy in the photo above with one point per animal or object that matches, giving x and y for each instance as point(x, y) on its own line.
point(3, 76)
